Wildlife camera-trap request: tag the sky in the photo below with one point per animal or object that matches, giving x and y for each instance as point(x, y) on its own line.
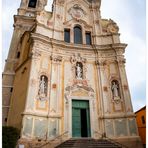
point(130, 16)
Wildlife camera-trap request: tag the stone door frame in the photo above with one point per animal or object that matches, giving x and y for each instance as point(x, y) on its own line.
point(90, 100)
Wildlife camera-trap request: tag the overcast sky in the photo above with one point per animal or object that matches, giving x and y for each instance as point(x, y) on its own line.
point(130, 15)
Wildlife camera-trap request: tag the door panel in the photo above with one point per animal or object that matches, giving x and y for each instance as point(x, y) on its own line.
point(88, 122)
point(76, 123)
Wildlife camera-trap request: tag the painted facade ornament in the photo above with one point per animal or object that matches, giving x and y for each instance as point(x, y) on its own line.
point(77, 12)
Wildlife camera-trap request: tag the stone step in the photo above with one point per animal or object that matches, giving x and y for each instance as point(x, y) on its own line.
point(87, 143)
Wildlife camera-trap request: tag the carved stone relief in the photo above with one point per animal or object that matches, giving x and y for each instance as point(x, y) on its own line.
point(78, 88)
point(121, 62)
point(56, 59)
point(78, 66)
point(77, 12)
point(109, 26)
point(35, 54)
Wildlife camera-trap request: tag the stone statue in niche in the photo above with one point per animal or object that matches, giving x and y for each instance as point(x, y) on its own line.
point(43, 86)
point(115, 90)
point(79, 70)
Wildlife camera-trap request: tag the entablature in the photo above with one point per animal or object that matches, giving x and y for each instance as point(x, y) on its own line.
point(62, 44)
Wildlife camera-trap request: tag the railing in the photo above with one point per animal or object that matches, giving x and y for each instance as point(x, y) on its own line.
point(50, 141)
point(103, 136)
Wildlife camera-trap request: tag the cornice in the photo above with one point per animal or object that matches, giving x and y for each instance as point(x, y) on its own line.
point(24, 18)
point(42, 115)
point(62, 44)
point(118, 116)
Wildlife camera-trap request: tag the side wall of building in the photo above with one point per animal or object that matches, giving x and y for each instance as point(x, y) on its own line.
point(141, 123)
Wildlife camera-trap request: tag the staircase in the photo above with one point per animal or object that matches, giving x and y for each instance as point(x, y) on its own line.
point(88, 143)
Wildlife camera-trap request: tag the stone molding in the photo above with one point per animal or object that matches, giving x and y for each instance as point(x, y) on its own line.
point(37, 114)
point(7, 86)
point(9, 73)
point(117, 116)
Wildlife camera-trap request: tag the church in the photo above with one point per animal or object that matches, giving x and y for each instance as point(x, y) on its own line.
point(65, 75)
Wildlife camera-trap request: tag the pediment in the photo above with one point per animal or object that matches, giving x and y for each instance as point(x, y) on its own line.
point(80, 92)
point(75, 21)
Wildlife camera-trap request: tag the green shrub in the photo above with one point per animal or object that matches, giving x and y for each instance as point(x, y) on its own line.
point(10, 136)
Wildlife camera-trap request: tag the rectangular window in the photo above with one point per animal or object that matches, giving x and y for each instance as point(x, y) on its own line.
point(88, 38)
point(143, 120)
point(67, 35)
point(18, 54)
point(32, 3)
point(11, 89)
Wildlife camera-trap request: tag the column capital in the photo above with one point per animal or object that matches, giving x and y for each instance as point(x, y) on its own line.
point(56, 58)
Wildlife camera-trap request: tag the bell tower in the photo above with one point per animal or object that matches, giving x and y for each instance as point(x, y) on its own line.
point(24, 21)
point(31, 7)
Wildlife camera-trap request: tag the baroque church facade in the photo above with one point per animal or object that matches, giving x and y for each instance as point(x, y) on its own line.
point(65, 73)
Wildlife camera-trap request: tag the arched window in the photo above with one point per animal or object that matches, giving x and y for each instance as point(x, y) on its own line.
point(77, 35)
point(43, 86)
point(79, 70)
point(32, 3)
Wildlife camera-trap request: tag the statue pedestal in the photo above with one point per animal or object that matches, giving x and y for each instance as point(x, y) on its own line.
point(117, 103)
point(118, 106)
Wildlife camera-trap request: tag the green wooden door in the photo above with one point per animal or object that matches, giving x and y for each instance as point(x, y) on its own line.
point(76, 122)
point(88, 122)
point(78, 127)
